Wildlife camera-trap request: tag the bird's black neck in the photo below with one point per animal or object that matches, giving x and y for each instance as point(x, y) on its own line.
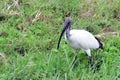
point(67, 26)
point(68, 32)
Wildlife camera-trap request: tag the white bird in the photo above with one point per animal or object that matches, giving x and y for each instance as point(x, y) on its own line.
point(80, 39)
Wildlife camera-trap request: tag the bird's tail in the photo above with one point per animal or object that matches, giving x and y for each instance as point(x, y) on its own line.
point(100, 44)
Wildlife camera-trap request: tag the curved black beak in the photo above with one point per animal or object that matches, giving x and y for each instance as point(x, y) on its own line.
point(66, 25)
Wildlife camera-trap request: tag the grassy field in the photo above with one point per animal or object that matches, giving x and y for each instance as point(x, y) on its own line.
point(29, 32)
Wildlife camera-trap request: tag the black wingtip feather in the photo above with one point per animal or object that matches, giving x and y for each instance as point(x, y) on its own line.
point(100, 44)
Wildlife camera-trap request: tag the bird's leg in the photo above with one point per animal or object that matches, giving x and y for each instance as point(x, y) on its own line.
point(91, 62)
point(75, 62)
point(90, 58)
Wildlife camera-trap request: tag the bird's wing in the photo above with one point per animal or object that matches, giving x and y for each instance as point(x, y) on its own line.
point(84, 38)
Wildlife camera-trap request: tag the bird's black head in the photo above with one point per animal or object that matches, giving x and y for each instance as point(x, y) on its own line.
point(67, 24)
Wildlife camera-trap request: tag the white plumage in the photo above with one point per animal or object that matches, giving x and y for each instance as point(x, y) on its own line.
point(80, 39)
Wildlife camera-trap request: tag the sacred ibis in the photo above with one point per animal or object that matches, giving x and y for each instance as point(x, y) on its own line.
point(80, 39)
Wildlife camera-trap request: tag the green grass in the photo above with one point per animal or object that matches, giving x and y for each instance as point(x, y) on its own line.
point(38, 40)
